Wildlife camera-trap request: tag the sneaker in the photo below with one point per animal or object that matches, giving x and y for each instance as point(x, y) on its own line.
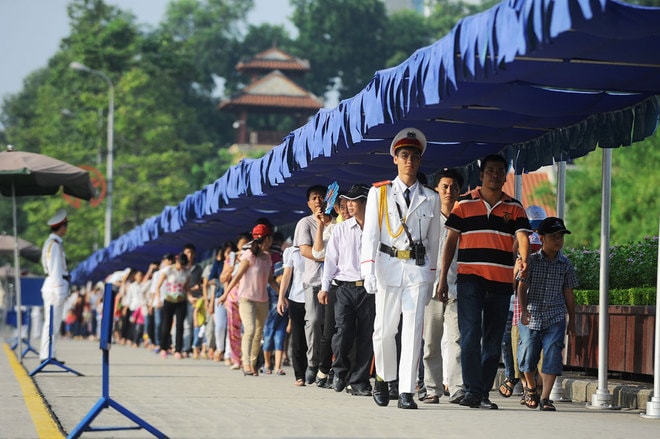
point(235, 366)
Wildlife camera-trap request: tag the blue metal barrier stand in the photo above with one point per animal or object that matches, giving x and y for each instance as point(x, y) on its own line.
point(106, 401)
point(50, 359)
point(26, 340)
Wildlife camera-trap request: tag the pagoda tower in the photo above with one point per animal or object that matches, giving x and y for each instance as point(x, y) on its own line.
point(272, 91)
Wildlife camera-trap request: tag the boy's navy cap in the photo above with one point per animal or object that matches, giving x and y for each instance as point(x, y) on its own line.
point(552, 225)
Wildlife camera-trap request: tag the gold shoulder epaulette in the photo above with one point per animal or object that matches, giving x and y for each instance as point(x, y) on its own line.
point(382, 183)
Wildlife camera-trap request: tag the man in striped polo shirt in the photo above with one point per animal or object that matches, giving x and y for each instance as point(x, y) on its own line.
point(488, 223)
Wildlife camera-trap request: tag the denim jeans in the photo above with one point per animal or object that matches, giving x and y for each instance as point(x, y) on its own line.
point(482, 312)
point(550, 340)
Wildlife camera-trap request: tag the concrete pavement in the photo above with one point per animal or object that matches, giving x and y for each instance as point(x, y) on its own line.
point(204, 399)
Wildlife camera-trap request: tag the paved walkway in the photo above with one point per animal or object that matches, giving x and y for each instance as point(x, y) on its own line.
point(203, 399)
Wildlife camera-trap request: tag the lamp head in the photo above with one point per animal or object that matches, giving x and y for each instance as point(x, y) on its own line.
point(75, 65)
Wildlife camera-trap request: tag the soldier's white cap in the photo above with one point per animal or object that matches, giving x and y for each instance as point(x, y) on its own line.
point(58, 219)
point(408, 137)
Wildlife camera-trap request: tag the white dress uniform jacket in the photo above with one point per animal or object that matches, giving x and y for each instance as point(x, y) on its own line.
point(53, 260)
point(423, 221)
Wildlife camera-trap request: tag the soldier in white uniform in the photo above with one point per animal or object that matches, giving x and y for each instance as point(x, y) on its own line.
point(56, 285)
point(398, 264)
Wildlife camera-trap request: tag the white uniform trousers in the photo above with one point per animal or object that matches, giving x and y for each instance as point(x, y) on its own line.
point(406, 302)
point(57, 302)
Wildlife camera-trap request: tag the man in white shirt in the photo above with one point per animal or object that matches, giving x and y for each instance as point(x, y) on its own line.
point(354, 307)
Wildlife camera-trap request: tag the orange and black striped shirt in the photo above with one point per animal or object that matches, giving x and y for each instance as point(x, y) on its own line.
point(485, 247)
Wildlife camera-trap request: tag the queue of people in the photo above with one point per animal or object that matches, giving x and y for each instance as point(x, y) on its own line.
point(394, 283)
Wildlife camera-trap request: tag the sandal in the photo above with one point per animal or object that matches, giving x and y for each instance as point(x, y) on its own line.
point(531, 398)
point(300, 382)
point(546, 405)
point(281, 372)
point(506, 389)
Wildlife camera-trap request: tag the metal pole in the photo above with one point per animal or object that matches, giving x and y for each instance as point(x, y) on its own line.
point(17, 279)
point(602, 398)
point(653, 406)
point(561, 189)
point(110, 155)
point(110, 165)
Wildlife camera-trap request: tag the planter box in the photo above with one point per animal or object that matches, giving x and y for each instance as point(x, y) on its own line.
point(631, 339)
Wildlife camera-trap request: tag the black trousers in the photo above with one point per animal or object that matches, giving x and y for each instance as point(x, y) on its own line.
point(170, 310)
point(329, 329)
point(298, 341)
point(354, 313)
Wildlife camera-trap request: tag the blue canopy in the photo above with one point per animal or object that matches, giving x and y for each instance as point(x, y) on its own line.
point(536, 80)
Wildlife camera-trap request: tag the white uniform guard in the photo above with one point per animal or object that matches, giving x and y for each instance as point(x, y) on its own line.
point(403, 288)
point(56, 285)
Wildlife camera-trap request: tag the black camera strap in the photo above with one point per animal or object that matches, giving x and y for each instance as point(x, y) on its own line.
point(403, 223)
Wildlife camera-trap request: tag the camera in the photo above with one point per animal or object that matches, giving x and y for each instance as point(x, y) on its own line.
point(418, 252)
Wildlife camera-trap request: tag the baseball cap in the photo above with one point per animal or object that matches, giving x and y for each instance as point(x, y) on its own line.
point(535, 214)
point(356, 191)
point(552, 225)
point(260, 230)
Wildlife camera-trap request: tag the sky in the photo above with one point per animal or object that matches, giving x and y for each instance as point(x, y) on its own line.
point(32, 30)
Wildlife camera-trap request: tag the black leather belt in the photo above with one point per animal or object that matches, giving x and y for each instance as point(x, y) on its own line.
point(357, 283)
point(394, 252)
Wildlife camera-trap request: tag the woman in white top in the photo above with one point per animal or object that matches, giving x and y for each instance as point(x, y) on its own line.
point(177, 280)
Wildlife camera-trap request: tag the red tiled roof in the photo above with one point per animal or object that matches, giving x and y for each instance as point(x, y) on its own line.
point(271, 101)
point(274, 90)
point(530, 183)
point(274, 59)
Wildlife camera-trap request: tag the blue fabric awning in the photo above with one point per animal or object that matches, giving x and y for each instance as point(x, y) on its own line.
point(536, 80)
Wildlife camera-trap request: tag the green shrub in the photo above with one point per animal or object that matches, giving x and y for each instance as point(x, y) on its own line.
point(641, 296)
point(632, 265)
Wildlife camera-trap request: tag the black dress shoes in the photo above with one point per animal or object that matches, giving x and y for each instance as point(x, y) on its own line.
point(394, 389)
point(381, 393)
point(471, 400)
point(338, 384)
point(406, 401)
point(359, 389)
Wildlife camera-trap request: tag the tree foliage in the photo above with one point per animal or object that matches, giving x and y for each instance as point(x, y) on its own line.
point(635, 195)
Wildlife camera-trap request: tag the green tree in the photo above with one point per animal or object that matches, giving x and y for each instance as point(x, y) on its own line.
point(344, 40)
point(167, 129)
point(635, 195)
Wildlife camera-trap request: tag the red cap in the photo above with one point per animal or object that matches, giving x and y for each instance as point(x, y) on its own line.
point(260, 230)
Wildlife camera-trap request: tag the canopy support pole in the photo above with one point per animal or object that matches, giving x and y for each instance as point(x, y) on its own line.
point(17, 278)
point(602, 398)
point(561, 189)
point(653, 406)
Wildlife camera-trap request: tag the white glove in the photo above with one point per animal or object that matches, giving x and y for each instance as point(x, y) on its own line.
point(370, 283)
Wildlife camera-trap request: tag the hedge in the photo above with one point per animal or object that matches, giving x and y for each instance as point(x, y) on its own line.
point(627, 296)
point(632, 266)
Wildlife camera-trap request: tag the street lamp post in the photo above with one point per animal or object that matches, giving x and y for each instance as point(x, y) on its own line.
point(110, 156)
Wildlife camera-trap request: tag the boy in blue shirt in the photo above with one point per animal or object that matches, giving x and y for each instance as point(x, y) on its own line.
point(545, 296)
